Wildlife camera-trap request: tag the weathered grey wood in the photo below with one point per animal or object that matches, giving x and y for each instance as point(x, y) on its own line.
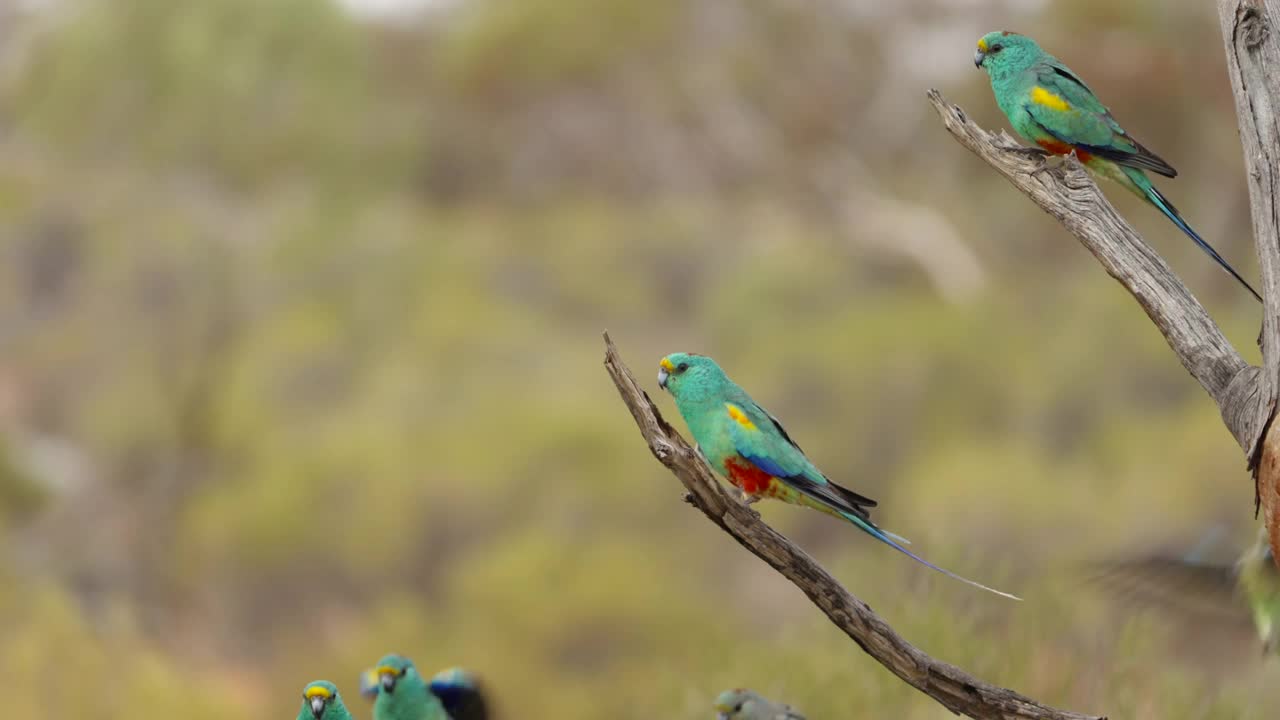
point(1065, 191)
point(955, 689)
point(1249, 32)
point(1253, 65)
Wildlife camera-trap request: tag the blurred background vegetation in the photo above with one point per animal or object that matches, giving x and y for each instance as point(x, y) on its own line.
point(300, 307)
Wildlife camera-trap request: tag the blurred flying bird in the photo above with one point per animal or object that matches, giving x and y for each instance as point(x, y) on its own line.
point(1244, 595)
point(747, 445)
point(743, 704)
point(399, 692)
point(320, 701)
point(1049, 105)
point(461, 694)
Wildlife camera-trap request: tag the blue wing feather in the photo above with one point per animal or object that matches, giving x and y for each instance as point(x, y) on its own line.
point(460, 694)
point(769, 466)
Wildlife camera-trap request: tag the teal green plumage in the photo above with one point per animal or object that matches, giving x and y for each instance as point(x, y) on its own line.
point(320, 701)
point(1259, 582)
point(748, 446)
point(1052, 107)
point(457, 689)
point(743, 704)
point(403, 694)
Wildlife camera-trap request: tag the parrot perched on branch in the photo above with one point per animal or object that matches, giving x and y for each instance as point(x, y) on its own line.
point(747, 445)
point(1051, 106)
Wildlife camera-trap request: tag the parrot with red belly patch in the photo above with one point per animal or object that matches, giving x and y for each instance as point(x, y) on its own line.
point(1049, 105)
point(749, 447)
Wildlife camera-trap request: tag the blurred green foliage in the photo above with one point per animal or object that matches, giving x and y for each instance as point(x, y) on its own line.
point(301, 315)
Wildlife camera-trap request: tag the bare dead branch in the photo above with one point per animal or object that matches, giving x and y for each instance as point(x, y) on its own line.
point(953, 688)
point(1068, 193)
point(1253, 61)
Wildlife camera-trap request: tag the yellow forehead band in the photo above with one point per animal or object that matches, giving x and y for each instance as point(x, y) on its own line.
point(982, 44)
point(318, 691)
point(666, 365)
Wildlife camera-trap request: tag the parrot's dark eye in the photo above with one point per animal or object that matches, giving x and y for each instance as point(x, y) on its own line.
point(995, 49)
point(682, 367)
point(737, 708)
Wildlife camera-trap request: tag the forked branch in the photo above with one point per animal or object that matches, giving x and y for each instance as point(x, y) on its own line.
point(955, 689)
point(1066, 192)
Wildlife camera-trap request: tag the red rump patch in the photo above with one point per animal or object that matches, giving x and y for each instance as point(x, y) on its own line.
point(1057, 147)
point(751, 479)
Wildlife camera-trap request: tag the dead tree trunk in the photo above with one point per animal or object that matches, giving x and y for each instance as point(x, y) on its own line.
point(1249, 31)
point(1246, 395)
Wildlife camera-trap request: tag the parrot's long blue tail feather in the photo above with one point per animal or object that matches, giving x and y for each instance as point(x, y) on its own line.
point(885, 538)
point(896, 536)
point(1153, 195)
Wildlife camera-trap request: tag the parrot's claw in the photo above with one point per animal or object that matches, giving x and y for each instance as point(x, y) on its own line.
point(1034, 152)
point(1056, 161)
point(1048, 160)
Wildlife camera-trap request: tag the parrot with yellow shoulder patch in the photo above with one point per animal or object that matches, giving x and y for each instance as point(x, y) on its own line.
point(1049, 105)
point(749, 447)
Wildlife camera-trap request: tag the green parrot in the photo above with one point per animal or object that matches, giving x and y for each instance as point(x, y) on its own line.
point(1246, 594)
point(320, 701)
point(403, 694)
point(749, 447)
point(743, 704)
point(458, 690)
point(1049, 105)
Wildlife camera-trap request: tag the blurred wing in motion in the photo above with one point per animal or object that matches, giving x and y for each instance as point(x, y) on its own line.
point(1206, 591)
point(369, 684)
point(461, 694)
